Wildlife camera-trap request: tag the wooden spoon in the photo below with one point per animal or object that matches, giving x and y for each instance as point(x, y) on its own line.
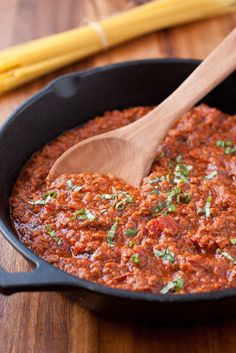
point(128, 152)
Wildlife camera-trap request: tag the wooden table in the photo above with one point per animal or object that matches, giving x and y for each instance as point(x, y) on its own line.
point(49, 322)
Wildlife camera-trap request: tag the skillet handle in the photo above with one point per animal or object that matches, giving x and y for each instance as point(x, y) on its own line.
point(44, 277)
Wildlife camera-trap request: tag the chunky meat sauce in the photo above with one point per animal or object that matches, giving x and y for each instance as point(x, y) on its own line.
point(174, 234)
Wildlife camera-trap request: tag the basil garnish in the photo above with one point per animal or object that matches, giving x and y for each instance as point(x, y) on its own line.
point(165, 255)
point(83, 215)
point(131, 232)
point(45, 198)
point(174, 285)
point(52, 234)
point(111, 233)
point(135, 258)
point(226, 255)
point(73, 187)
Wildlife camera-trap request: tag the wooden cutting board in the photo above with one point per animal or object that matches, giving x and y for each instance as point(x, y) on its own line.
point(49, 322)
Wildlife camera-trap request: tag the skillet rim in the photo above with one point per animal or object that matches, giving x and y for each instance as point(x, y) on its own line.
point(66, 278)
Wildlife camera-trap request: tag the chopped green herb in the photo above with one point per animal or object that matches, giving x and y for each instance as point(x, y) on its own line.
point(170, 164)
point(230, 150)
point(111, 233)
point(171, 208)
point(131, 232)
point(51, 194)
point(183, 169)
point(158, 179)
point(221, 143)
point(184, 198)
point(154, 192)
point(179, 158)
point(131, 244)
point(211, 175)
point(181, 172)
point(38, 202)
point(172, 193)
point(135, 258)
point(159, 207)
point(174, 285)
point(169, 205)
point(52, 234)
point(45, 198)
point(113, 197)
point(162, 154)
point(233, 241)
point(108, 196)
point(127, 199)
point(207, 208)
point(227, 145)
point(73, 187)
point(180, 179)
point(83, 215)
point(89, 215)
point(155, 180)
point(226, 255)
point(166, 255)
point(49, 230)
point(167, 177)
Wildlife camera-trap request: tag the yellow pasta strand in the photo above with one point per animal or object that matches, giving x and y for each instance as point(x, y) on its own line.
point(14, 78)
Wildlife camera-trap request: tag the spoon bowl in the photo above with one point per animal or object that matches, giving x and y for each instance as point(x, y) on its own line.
point(88, 160)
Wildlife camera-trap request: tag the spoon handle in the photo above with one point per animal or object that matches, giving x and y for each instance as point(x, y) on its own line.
point(154, 126)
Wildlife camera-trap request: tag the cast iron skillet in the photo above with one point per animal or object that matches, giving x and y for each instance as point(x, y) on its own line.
point(70, 101)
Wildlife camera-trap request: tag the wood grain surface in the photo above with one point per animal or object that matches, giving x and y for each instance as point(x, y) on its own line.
point(50, 322)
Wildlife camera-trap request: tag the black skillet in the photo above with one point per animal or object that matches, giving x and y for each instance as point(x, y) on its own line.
point(67, 102)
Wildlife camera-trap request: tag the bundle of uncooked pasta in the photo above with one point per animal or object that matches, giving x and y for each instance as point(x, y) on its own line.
point(26, 62)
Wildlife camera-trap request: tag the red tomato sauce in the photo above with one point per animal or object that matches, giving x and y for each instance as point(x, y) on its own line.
point(174, 234)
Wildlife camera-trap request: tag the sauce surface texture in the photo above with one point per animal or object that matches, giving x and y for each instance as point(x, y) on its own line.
point(176, 233)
